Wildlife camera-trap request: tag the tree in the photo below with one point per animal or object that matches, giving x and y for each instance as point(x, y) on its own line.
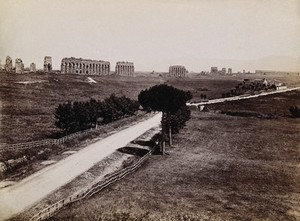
point(65, 118)
point(167, 99)
point(178, 119)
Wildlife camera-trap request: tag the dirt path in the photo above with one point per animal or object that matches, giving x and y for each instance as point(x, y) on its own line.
point(241, 97)
point(27, 192)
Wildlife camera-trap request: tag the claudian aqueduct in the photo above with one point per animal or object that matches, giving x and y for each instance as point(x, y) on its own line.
point(84, 66)
point(125, 68)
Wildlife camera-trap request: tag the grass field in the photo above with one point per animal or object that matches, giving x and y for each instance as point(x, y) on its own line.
point(272, 106)
point(27, 108)
point(221, 168)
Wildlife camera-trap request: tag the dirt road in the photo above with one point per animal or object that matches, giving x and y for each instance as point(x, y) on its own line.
point(16, 198)
point(241, 97)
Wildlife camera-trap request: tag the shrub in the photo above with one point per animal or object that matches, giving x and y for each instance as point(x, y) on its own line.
point(295, 111)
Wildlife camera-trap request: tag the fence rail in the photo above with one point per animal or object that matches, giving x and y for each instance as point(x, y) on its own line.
point(90, 190)
point(39, 143)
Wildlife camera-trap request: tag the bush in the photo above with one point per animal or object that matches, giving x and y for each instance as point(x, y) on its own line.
point(177, 120)
point(295, 111)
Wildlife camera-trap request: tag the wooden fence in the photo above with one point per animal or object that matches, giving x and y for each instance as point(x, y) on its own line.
point(39, 143)
point(89, 191)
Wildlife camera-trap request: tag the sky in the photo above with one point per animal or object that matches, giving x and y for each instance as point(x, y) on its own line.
point(154, 34)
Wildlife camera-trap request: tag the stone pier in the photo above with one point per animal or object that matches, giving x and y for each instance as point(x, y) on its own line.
point(47, 64)
point(8, 64)
point(19, 66)
point(32, 68)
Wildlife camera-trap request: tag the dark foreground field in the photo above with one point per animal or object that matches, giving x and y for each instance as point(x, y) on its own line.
point(221, 168)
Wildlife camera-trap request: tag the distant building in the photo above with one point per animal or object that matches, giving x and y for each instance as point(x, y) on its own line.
point(124, 68)
point(214, 70)
point(223, 71)
point(47, 64)
point(32, 67)
point(19, 66)
point(244, 72)
point(84, 66)
point(8, 64)
point(280, 86)
point(177, 71)
point(229, 70)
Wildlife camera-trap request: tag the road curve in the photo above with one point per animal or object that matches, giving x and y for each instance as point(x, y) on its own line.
point(29, 191)
point(241, 97)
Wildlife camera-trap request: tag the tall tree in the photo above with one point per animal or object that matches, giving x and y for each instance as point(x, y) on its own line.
point(65, 117)
point(168, 100)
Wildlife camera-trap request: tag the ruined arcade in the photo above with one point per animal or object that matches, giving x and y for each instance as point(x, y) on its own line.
point(84, 66)
point(124, 68)
point(177, 71)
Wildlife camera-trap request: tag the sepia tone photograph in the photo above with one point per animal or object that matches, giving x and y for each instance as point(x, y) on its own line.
point(150, 110)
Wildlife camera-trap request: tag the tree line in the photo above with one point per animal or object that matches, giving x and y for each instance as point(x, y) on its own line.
point(76, 116)
point(248, 87)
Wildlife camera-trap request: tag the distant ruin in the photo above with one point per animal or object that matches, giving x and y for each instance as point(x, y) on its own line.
point(8, 64)
point(19, 66)
point(84, 66)
point(177, 71)
point(124, 68)
point(47, 64)
point(32, 68)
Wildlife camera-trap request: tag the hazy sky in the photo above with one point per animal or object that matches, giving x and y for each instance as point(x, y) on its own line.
point(152, 33)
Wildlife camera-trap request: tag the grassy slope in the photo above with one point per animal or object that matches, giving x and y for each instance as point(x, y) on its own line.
point(27, 110)
point(215, 87)
point(223, 168)
point(276, 105)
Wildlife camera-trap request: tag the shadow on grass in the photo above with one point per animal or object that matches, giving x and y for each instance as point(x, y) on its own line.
point(133, 151)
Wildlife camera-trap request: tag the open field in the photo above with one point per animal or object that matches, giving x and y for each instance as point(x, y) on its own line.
point(27, 109)
point(270, 106)
point(221, 168)
point(28, 101)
